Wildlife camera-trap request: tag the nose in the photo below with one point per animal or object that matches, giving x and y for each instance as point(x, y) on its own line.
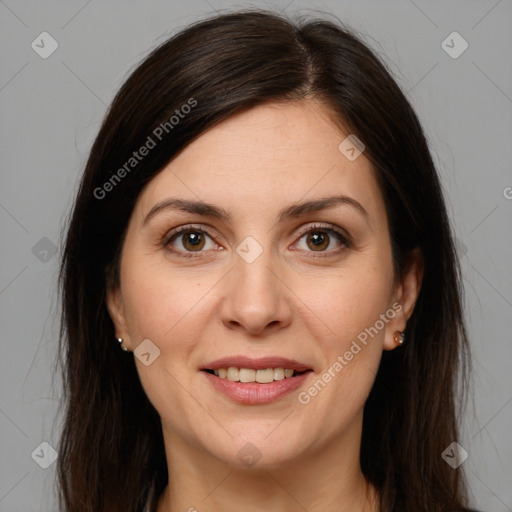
point(256, 299)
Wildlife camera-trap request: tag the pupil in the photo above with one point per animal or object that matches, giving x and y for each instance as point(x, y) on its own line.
point(318, 239)
point(193, 239)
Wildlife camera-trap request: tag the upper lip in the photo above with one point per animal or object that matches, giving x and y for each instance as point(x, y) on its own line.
point(260, 363)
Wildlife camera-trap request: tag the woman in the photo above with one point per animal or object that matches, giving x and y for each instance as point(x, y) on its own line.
point(260, 227)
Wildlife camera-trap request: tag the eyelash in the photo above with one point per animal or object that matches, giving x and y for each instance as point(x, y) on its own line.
point(327, 228)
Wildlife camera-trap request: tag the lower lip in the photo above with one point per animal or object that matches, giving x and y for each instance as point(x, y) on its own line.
point(253, 393)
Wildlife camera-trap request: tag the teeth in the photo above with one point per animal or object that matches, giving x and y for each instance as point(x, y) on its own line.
point(278, 373)
point(247, 375)
point(233, 374)
point(250, 375)
point(264, 376)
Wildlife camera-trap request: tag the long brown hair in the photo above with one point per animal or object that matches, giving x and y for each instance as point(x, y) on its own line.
point(111, 453)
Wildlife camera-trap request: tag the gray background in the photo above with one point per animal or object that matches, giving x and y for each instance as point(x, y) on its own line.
point(51, 110)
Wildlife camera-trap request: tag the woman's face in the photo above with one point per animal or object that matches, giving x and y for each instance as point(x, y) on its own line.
point(269, 280)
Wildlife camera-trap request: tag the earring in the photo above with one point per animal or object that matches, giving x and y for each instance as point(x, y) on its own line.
point(398, 337)
point(120, 340)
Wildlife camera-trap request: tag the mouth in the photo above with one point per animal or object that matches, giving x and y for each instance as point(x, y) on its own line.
point(255, 381)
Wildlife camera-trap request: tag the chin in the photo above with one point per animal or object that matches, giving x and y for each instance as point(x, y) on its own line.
point(261, 450)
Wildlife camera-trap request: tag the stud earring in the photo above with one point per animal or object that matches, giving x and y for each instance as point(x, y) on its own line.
point(120, 340)
point(399, 337)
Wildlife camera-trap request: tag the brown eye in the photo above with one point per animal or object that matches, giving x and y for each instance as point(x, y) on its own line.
point(186, 240)
point(322, 240)
point(193, 241)
point(317, 240)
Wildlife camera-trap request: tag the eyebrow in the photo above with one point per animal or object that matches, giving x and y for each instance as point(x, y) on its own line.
point(292, 211)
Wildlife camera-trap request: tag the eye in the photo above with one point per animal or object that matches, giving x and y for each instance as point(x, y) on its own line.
point(191, 240)
point(320, 237)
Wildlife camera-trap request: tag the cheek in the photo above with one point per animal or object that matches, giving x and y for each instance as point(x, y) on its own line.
point(160, 302)
point(165, 307)
point(348, 328)
point(351, 356)
point(343, 304)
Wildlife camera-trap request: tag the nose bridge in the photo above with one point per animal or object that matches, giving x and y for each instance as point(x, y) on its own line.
point(256, 297)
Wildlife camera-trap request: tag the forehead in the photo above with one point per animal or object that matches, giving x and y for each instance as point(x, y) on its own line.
point(267, 157)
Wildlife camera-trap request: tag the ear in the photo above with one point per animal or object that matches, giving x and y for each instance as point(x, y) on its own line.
point(407, 289)
point(115, 307)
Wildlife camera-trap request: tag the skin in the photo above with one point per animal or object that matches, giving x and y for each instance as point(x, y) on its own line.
point(284, 303)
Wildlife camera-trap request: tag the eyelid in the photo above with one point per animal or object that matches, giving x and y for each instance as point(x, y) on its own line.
point(326, 226)
point(187, 227)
